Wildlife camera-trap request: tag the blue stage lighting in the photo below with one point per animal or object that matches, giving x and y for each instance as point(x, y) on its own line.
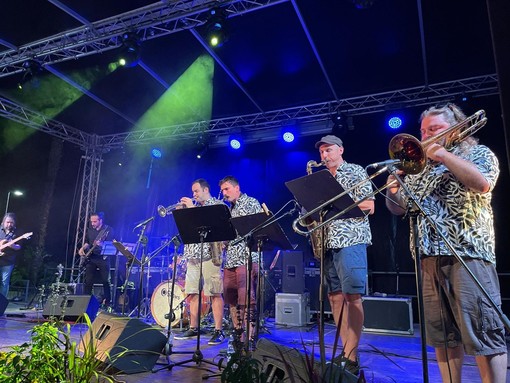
point(156, 153)
point(235, 142)
point(395, 122)
point(288, 136)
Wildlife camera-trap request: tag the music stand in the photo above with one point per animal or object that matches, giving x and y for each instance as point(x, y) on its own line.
point(262, 233)
point(130, 261)
point(312, 191)
point(199, 225)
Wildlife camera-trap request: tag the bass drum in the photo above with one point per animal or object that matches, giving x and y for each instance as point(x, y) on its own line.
point(160, 304)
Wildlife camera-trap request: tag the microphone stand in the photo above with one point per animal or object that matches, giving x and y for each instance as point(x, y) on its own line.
point(171, 314)
point(413, 201)
point(248, 237)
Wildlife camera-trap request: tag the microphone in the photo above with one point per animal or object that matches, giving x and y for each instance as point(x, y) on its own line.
point(143, 222)
point(381, 164)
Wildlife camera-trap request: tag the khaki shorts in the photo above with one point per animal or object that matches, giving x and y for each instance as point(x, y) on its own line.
point(450, 297)
point(213, 277)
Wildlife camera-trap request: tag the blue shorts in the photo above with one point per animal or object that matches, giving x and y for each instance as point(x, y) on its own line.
point(345, 269)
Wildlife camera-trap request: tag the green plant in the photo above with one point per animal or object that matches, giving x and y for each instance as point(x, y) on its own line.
point(51, 356)
point(242, 368)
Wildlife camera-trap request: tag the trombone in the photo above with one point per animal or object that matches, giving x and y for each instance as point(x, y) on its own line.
point(411, 153)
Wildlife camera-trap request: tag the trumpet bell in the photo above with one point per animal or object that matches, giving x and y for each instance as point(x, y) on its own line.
point(409, 151)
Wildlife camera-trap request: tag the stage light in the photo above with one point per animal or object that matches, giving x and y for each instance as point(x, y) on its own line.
point(156, 153)
point(235, 142)
point(216, 28)
point(130, 51)
point(202, 151)
point(31, 69)
point(395, 122)
point(288, 136)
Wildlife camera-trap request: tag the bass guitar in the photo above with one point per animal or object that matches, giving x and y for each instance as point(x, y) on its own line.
point(12, 242)
point(103, 234)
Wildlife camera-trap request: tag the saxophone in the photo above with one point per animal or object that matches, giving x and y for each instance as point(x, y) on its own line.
point(316, 237)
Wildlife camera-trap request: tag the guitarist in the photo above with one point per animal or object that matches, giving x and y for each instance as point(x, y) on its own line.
point(8, 258)
point(93, 261)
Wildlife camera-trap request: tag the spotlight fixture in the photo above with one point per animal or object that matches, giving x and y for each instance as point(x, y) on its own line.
point(235, 142)
point(395, 122)
point(202, 152)
point(130, 50)
point(156, 153)
point(216, 28)
point(288, 133)
point(31, 69)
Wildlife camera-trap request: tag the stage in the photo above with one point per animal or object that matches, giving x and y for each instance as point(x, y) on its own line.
point(384, 357)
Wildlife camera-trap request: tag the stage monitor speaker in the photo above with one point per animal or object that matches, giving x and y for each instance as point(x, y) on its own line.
point(285, 364)
point(124, 344)
point(293, 279)
point(4, 302)
point(71, 307)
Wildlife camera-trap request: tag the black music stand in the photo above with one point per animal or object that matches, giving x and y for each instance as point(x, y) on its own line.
point(130, 261)
point(312, 191)
point(201, 225)
point(262, 233)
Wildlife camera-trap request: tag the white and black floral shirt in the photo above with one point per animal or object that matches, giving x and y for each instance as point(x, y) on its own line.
point(236, 255)
point(463, 216)
point(350, 231)
point(192, 250)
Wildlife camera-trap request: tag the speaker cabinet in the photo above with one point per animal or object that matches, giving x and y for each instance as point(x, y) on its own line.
point(281, 363)
point(124, 344)
point(285, 364)
point(3, 304)
point(71, 307)
point(293, 280)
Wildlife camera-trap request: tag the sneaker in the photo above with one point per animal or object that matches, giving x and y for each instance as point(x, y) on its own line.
point(188, 334)
point(217, 338)
point(346, 364)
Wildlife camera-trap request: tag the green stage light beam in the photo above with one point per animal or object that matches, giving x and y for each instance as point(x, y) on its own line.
point(189, 98)
point(49, 97)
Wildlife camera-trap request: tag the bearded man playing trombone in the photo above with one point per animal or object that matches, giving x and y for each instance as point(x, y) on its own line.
point(455, 190)
point(345, 258)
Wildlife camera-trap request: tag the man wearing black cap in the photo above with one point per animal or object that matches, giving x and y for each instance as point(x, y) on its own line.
point(345, 256)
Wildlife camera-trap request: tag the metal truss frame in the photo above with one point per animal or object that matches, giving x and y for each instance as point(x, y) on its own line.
point(149, 22)
point(265, 121)
point(92, 161)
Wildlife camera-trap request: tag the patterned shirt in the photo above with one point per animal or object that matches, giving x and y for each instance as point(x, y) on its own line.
point(465, 217)
point(350, 231)
point(193, 250)
point(236, 255)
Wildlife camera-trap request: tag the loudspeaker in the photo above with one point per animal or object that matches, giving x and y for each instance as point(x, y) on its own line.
point(124, 344)
point(312, 285)
point(293, 280)
point(281, 363)
point(3, 304)
point(285, 364)
point(71, 307)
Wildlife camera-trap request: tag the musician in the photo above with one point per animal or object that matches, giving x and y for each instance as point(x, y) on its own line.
point(455, 191)
point(94, 263)
point(8, 256)
point(235, 268)
point(345, 257)
point(211, 270)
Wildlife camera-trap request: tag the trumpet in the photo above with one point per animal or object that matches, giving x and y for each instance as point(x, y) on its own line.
point(164, 211)
point(411, 154)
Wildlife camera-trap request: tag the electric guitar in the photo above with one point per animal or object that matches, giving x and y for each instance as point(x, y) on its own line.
point(12, 242)
point(100, 238)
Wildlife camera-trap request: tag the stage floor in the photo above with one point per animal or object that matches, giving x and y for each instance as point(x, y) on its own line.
point(384, 358)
